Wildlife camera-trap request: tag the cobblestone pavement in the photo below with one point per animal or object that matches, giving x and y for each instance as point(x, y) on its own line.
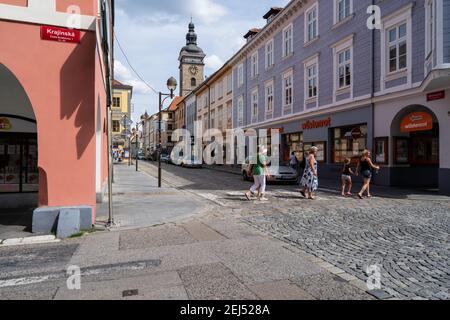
point(407, 240)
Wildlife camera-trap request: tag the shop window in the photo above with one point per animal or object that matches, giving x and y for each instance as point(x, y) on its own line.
point(349, 142)
point(293, 143)
point(401, 150)
point(321, 154)
point(382, 150)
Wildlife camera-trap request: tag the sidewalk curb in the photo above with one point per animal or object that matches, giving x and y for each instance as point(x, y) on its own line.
point(28, 241)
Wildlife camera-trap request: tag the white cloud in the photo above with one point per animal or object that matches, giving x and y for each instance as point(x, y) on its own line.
point(124, 75)
point(207, 10)
point(213, 62)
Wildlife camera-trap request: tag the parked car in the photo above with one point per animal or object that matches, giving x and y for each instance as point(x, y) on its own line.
point(191, 163)
point(141, 156)
point(282, 173)
point(165, 158)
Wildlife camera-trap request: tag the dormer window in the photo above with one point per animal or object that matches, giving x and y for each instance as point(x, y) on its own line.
point(272, 14)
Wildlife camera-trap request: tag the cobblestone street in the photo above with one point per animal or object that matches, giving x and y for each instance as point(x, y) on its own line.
point(407, 239)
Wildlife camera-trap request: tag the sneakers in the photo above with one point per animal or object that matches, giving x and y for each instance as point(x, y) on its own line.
point(263, 199)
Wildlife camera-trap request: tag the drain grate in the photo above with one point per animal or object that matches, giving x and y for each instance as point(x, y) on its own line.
point(130, 293)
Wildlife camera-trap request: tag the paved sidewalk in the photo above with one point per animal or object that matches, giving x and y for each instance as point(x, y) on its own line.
point(139, 203)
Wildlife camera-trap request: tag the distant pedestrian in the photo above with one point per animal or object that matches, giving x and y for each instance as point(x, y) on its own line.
point(310, 180)
point(260, 173)
point(346, 178)
point(365, 167)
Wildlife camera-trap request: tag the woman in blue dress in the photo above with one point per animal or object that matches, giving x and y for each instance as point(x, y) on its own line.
point(310, 180)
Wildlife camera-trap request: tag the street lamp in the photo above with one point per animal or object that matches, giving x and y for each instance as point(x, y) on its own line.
point(171, 85)
point(142, 123)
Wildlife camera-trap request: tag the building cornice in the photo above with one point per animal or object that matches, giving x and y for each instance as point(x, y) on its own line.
point(267, 31)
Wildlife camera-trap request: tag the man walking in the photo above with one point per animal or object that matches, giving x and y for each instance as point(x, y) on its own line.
point(260, 172)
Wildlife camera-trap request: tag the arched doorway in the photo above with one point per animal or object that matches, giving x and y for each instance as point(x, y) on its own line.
point(415, 154)
point(19, 174)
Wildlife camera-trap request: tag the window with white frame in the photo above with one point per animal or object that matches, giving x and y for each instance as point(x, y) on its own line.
point(213, 119)
point(254, 60)
point(255, 106)
point(397, 48)
point(205, 101)
point(288, 44)
point(429, 9)
point(344, 68)
point(269, 54)
point(220, 118)
point(288, 87)
point(230, 83)
point(342, 10)
point(240, 111)
point(213, 94)
point(240, 75)
point(269, 99)
point(220, 90)
point(311, 23)
point(311, 79)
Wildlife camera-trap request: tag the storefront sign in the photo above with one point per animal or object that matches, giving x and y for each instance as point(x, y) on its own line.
point(5, 124)
point(436, 96)
point(60, 34)
point(417, 121)
point(309, 125)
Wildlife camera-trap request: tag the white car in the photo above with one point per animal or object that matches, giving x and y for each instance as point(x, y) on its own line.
point(281, 173)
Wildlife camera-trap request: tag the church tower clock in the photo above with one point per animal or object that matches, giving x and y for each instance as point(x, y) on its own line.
point(191, 63)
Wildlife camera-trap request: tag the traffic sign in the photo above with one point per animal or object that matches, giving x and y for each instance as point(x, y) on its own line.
point(126, 122)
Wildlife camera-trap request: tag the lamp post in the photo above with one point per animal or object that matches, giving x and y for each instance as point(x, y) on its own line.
point(171, 85)
point(142, 123)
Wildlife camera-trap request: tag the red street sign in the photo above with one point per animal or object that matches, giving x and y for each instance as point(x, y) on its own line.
point(60, 34)
point(436, 96)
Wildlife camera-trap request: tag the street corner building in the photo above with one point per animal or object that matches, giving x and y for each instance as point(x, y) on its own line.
point(55, 88)
point(320, 75)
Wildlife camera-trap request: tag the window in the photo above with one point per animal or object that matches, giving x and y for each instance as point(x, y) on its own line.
point(349, 142)
point(229, 83)
point(321, 154)
point(169, 127)
point(382, 150)
point(288, 92)
point(220, 118)
point(116, 102)
point(213, 94)
point(269, 54)
point(342, 9)
point(429, 27)
point(288, 47)
point(397, 48)
point(311, 24)
point(213, 119)
point(240, 75)
point(254, 65)
point(193, 82)
point(311, 79)
point(269, 100)
point(116, 126)
point(240, 107)
point(344, 68)
point(255, 106)
point(205, 101)
point(220, 89)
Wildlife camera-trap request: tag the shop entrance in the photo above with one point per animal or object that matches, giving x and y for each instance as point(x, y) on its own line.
point(415, 134)
point(19, 173)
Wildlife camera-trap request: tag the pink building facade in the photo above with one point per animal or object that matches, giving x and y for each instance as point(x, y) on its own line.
point(55, 71)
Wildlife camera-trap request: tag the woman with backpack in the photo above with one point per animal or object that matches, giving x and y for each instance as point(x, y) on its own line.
point(260, 172)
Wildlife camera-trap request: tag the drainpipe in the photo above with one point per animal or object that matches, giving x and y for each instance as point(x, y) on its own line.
point(372, 93)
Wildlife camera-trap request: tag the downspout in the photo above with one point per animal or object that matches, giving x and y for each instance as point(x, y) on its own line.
point(372, 93)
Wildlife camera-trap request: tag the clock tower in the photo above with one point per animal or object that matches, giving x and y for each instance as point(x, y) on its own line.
point(191, 63)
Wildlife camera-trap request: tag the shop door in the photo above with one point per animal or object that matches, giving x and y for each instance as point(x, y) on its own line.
point(18, 163)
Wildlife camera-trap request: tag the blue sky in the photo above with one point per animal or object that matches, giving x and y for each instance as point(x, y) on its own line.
point(152, 32)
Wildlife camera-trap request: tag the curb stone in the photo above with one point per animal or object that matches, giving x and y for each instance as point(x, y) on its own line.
point(28, 241)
